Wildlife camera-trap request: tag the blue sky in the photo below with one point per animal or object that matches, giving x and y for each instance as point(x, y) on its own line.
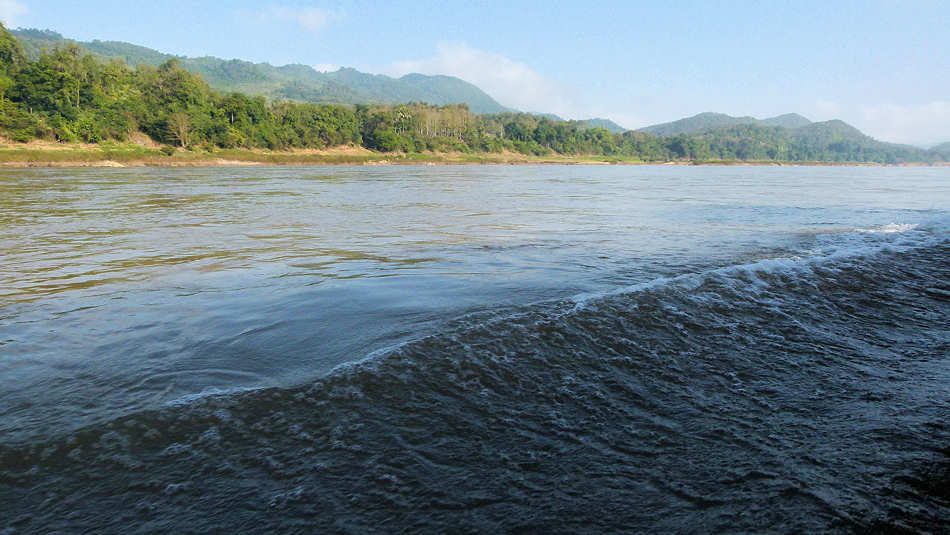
point(881, 65)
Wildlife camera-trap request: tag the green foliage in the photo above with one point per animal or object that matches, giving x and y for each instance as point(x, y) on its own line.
point(606, 124)
point(11, 51)
point(707, 121)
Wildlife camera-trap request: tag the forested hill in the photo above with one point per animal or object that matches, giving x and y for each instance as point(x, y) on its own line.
point(703, 122)
point(789, 120)
point(606, 124)
point(943, 148)
point(811, 141)
point(296, 82)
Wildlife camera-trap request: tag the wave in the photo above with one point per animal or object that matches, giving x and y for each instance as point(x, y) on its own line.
point(890, 228)
point(799, 393)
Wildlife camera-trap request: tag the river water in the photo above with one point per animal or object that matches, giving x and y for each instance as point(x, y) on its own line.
point(471, 349)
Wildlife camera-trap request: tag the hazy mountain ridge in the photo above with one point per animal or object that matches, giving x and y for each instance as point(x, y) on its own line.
point(298, 82)
point(702, 122)
point(596, 122)
point(788, 120)
point(810, 138)
point(606, 124)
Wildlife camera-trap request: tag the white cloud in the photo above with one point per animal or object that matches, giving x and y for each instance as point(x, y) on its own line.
point(512, 83)
point(311, 19)
point(924, 124)
point(10, 10)
point(326, 67)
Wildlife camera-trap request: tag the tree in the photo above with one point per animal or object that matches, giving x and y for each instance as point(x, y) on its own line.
point(180, 128)
point(5, 83)
point(11, 51)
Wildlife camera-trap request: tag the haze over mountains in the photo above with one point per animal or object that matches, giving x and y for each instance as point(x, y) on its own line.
point(708, 121)
point(790, 128)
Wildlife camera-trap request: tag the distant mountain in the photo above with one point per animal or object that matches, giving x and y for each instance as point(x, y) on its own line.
point(696, 124)
point(606, 124)
point(802, 139)
point(297, 82)
point(710, 121)
point(943, 148)
point(789, 120)
point(832, 131)
point(839, 132)
point(828, 141)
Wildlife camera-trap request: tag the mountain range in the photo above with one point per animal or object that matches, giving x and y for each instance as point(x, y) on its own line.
point(791, 126)
point(606, 124)
point(709, 121)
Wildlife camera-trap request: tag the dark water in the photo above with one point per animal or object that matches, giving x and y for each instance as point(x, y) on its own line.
point(476, 349)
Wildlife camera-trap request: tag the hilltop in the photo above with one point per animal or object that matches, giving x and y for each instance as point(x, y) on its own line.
point(606, 124)
point(789, 136)
point(703, 122)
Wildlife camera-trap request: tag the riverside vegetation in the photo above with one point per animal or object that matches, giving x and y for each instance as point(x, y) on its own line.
point(68, 96)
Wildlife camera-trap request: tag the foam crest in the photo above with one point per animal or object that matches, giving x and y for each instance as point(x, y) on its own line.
point(890, 228)
point(751, 273)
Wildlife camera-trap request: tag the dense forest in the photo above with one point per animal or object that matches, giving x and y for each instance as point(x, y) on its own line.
point(66, 96)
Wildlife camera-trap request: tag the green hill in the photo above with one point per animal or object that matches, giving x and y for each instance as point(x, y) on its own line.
point(832, 131)
point(789, 120)
point(709, 121)
point(606, 124)
point(834, 141)
point(696, 124)
point(786, 137)
point(943, 148)
point(296, 82)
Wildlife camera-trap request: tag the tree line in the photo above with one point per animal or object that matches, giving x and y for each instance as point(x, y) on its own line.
point(70, 97)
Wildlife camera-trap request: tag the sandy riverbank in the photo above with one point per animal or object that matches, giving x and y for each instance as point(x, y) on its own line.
point(48, 154)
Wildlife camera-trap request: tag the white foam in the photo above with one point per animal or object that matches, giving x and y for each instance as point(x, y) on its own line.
point(890, 228)
point(188, 399)
point(778, 265)
point(797, 262)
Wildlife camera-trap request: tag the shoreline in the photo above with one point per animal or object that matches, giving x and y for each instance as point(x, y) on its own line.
point(53, 155)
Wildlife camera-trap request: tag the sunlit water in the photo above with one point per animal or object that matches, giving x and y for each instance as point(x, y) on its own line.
point(641, 320)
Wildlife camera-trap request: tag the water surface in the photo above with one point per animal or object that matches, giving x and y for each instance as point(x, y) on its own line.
point(557, 342)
